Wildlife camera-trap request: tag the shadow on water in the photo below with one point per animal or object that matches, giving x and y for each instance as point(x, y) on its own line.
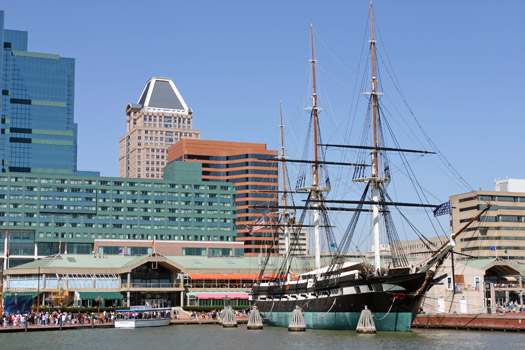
point(191, 337)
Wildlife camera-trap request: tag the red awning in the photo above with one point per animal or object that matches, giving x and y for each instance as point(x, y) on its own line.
point(231, 276)
point(222, 295)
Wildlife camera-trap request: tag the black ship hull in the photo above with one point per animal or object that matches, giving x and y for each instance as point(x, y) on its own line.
point(393, 300)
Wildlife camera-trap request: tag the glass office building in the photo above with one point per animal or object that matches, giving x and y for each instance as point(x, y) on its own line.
point(37, 130)
point(41, 215)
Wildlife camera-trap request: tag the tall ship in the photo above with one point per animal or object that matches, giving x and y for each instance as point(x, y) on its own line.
point(333, 293)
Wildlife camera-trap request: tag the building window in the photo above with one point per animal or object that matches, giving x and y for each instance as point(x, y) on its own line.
point(194, 251)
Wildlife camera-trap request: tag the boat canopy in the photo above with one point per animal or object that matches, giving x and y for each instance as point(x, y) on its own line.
point(146, 309)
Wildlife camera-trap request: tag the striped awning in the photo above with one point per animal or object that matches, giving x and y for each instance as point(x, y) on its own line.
point(231, 276)
point(222, 295)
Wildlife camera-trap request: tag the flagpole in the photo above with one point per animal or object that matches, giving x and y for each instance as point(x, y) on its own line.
point(1, 293)
point(38, 293)
point(6, 264)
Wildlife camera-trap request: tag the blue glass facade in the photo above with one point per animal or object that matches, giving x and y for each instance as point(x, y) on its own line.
point(38, 132)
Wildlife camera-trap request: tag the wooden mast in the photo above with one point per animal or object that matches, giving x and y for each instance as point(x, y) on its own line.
point(286, 213)
point(375, 163)
point(315, 191)
point(374, 91)
point(285, 195)
point(375, 179)
point(314, 111)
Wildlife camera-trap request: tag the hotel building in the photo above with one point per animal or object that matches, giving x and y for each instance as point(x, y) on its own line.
point(42, 215)
point(501, 231)
point(159, 119)
point(254, 171)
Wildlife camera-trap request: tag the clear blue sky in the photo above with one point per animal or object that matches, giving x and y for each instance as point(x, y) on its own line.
point(459, 63)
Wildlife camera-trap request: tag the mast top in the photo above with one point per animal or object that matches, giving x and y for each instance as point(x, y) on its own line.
point(314, 110)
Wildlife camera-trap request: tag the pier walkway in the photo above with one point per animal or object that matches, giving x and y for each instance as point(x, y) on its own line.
point(512, 321)
point(33, 328)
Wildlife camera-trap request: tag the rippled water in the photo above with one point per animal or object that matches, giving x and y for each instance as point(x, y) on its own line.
point(215, 337)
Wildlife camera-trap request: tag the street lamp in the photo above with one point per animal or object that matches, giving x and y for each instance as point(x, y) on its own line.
point(1, 291)
point(99, 300)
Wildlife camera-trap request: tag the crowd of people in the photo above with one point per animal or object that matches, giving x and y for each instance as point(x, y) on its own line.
point(510, 306)
point(54, 319)
point(214, 314)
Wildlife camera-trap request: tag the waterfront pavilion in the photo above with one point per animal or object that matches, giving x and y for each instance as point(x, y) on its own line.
point(100, 280)
point(154, 279)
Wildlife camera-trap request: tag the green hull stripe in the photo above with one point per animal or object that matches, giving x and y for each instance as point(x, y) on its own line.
point(394, 321)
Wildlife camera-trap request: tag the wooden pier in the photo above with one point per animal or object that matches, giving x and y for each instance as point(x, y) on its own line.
point(514, 322)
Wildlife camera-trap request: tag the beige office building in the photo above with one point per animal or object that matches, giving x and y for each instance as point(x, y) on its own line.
point(500, 233)
point(159, 119)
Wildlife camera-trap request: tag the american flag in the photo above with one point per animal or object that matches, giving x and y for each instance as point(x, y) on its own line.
point(443, 209)
point(257, 225)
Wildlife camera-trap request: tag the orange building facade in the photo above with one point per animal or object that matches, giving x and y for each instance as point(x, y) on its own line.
point(254, 170)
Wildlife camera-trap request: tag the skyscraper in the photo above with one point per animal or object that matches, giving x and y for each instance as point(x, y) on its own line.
point(37, 131)
point(159, 119)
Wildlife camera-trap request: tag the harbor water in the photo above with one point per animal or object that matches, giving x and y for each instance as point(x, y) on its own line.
point(191, 337)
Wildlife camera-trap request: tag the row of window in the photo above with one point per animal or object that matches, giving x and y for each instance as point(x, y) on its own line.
point(239, 165)
point(4, 184)
point(168, 134)
point(240, 172)
point(499, 218)
point(16, 189)
point(494, 207)
point(492, 238)
point(110, 218)
point(494, 248)
point(139, 236)
point(171, 225)
point(495, 228)
point(166, 119)
point(27, 248)
point(168, 142)
point(493, 198)
point(235, 157)
point(212, 251)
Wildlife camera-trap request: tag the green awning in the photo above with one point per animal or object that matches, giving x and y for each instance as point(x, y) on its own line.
point(103, 295)
point(24, 294)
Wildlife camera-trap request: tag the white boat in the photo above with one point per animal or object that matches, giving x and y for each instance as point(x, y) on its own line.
point(139, 317)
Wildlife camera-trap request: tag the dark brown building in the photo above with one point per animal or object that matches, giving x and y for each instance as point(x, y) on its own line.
point(254, 171)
